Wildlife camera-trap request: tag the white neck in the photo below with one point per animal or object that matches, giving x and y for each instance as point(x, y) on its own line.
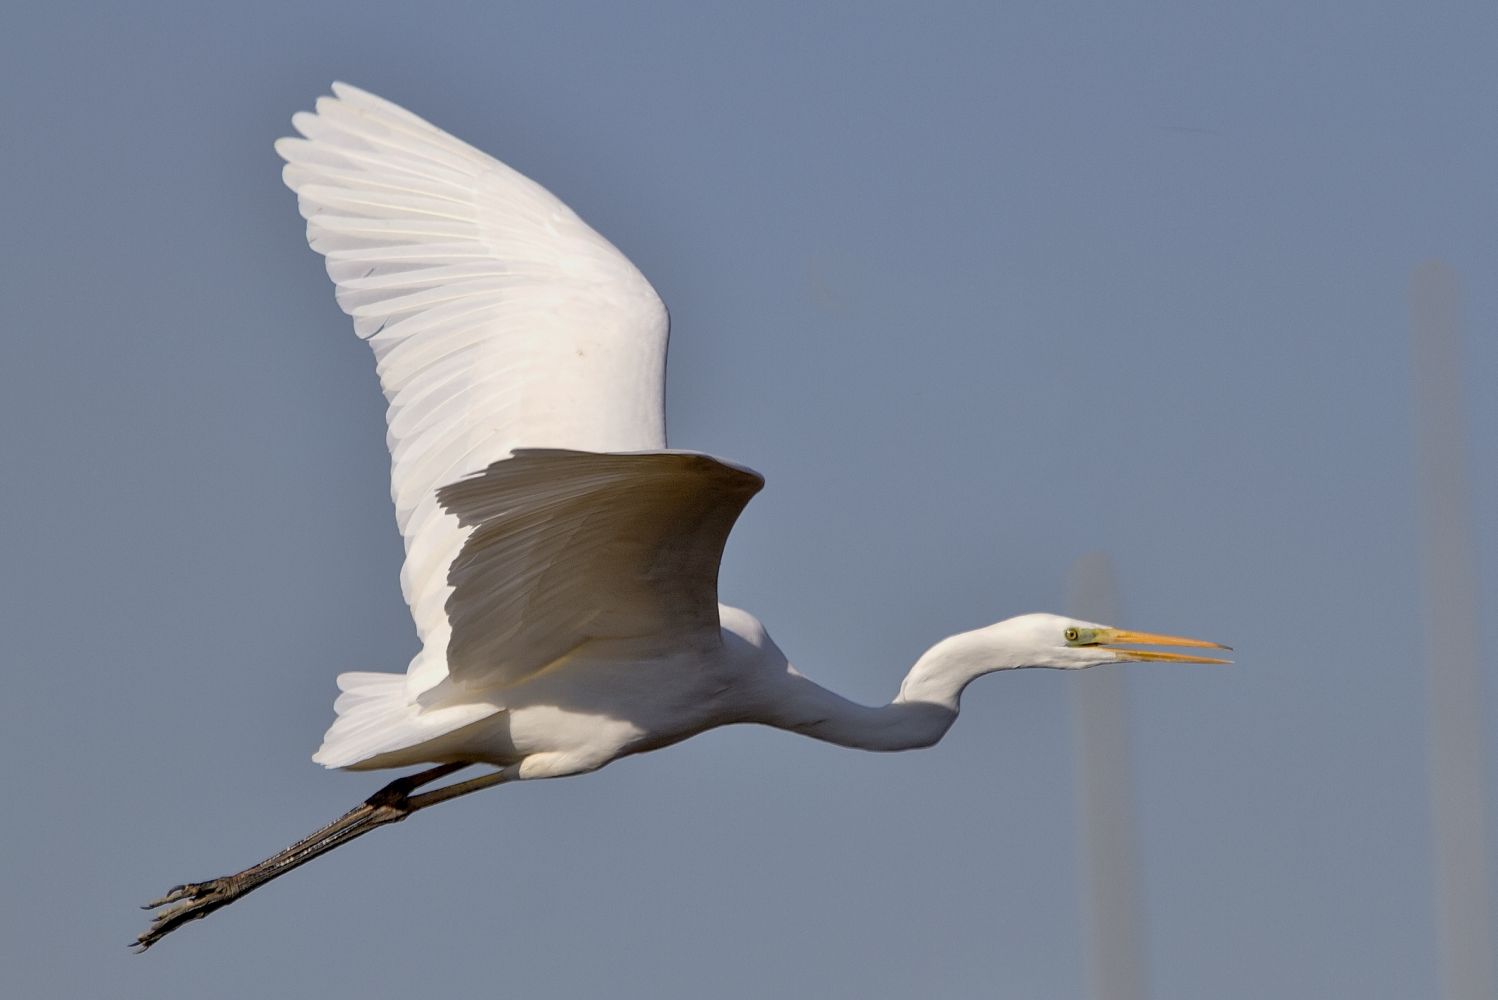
point(920, 715)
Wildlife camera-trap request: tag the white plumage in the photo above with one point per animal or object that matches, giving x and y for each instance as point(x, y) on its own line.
point(498, 319)
point(561, 564)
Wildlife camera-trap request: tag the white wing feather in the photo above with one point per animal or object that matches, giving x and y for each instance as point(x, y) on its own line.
point(570, 548)
point(498, 319)
point(611, 557)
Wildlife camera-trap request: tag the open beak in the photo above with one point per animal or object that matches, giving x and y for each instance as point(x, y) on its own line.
point(1121, 637)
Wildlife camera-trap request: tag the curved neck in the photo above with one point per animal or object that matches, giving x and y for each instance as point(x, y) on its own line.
point(920, 715)
point(944, 670)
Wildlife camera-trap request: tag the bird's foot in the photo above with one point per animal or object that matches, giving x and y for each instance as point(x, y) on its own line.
point(193, 901)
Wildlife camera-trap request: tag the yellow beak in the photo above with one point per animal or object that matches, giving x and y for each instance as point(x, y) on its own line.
point(1117, 636)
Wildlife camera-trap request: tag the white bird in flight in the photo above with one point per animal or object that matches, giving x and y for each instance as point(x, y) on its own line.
point(561, 561)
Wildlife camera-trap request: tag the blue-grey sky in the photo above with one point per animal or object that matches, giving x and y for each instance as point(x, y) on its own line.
point(979, 287)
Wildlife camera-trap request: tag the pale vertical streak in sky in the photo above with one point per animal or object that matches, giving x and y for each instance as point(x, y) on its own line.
point(1463, 912)
point(1113, 917)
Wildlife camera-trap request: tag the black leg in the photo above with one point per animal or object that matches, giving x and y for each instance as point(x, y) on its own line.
point(390, 804)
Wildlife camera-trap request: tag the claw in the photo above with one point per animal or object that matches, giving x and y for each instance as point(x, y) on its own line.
point(193, 900)
point(175, 893)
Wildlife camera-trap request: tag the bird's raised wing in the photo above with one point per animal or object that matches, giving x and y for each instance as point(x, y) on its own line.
point(498, 318)
point(572, 547)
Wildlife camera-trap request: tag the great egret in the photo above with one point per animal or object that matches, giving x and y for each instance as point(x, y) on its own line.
point(561, 562)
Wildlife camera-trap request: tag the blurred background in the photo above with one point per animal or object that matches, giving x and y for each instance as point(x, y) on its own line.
point(980, 288)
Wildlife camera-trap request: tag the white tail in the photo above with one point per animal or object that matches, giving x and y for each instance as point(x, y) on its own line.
point(376, 718)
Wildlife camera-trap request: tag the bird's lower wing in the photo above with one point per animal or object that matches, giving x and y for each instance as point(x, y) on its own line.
point(568, 547)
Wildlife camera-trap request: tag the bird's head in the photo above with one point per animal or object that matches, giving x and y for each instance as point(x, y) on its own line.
point(1042, 640)
point(1034, 641)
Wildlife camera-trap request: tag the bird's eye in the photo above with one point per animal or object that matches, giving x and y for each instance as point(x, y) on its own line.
point(1072, 635)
